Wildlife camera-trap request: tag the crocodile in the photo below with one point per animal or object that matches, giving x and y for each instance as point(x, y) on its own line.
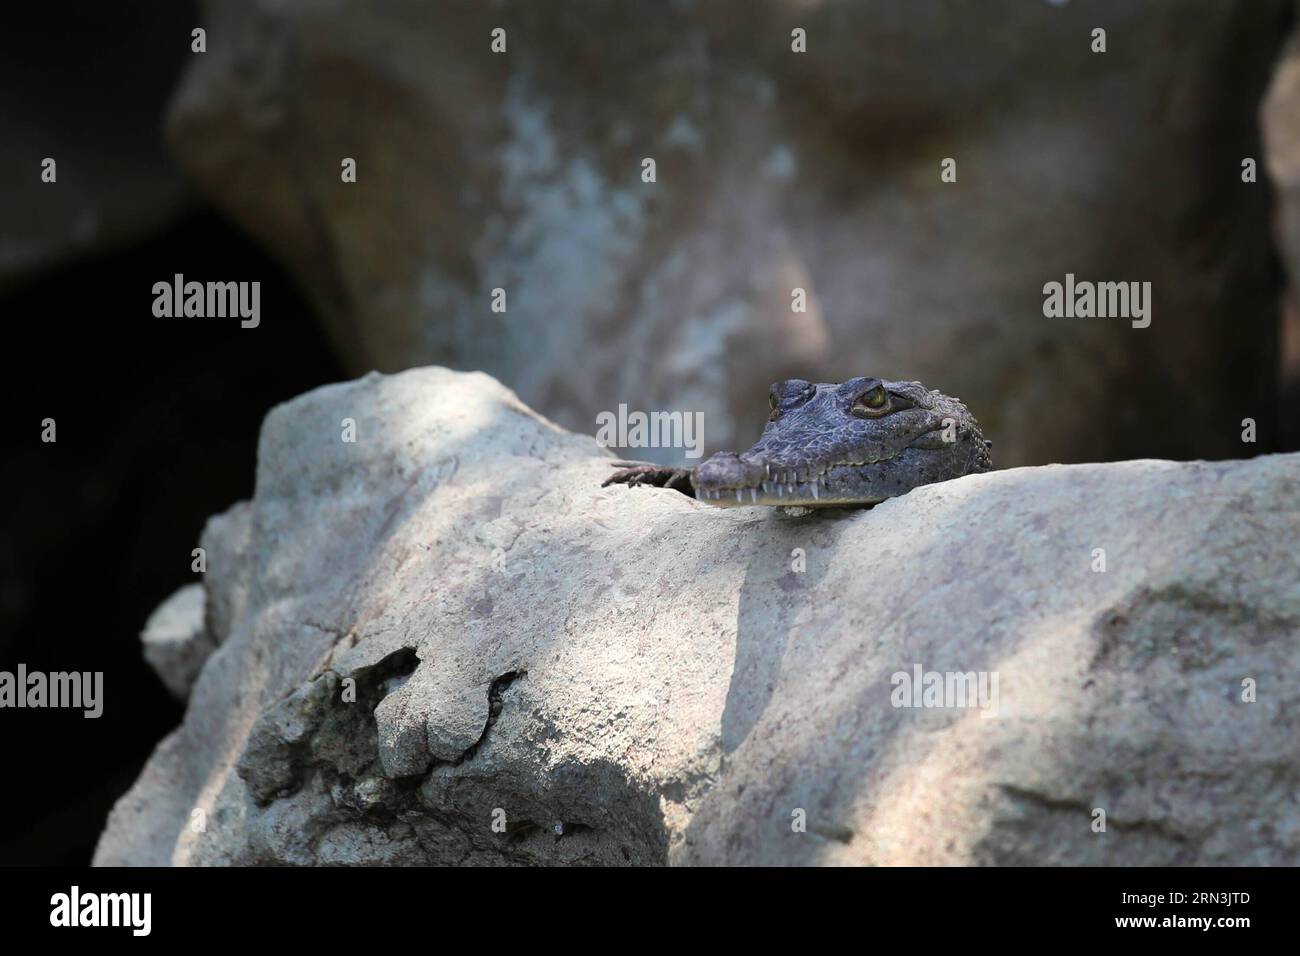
point(854, 443)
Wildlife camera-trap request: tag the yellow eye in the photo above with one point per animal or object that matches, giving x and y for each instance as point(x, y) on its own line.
point(771, 402)
point(872, 403)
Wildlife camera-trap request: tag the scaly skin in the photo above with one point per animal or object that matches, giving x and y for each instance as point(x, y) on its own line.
point(828, 445)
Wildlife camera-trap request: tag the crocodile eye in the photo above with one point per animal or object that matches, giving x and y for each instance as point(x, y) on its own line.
point(872, 403)
point(775, 408)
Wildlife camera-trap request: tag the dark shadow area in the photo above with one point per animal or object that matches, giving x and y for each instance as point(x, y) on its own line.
point(157, 423)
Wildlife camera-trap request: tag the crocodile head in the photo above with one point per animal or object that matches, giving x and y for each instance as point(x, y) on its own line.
point(856, 443)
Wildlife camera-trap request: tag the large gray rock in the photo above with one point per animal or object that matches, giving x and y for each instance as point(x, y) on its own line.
point(775, 170)
point(448, 624)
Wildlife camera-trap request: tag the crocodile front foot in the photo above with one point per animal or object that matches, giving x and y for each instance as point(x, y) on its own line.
point(657, 476)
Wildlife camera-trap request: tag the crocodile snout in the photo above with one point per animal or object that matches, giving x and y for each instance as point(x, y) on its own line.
point(727, 471)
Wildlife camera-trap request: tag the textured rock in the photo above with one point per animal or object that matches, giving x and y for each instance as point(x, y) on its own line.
point(176, 642)
point(775, 170)
point(628, 676)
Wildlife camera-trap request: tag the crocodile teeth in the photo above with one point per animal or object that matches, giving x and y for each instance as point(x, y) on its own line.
point(780, 492)
point(697, 494)
point(753, 496)
point(739, 493)
point(816, 494)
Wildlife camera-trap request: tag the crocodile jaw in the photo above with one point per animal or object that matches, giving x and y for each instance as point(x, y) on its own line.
point(754, 483)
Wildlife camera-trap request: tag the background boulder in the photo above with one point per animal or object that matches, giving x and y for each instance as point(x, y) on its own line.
point(775, 170)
